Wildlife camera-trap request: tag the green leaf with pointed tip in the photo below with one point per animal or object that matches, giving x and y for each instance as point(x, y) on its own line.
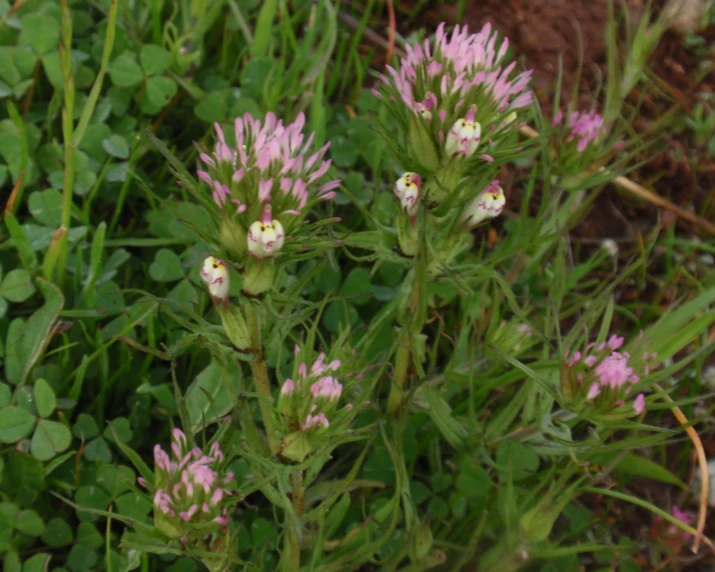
point(209, 397)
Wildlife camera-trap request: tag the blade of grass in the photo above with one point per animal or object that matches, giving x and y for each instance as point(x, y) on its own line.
point(91, 102)
point(262, 36)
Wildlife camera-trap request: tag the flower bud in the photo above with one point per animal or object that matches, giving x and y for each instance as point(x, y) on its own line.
point(265, 237)
point(407, 189)
point(463, 138)
point(215, 273)
point(488, 204)
point(232, 236)
point(234, 324)
point(258, 275)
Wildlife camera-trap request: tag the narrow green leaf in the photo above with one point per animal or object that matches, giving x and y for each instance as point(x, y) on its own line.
point(452, 430)
point(134, 457)
point(21, 242)
point(264, 28)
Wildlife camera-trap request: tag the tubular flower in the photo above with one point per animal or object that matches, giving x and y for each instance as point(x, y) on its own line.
point(407, 190)
point(453, 91)
point(265, 236)
point(487, 204)
point(602, 378)
point(215, 273)
point(271, 169)
point(463, 138)
point(190, 489)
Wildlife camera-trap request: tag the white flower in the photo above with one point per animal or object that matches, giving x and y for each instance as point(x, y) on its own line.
point(407, 189)
point(610, 246)
point(463, 138)
point(265, 236)
point(215, 273)
point(487, 204)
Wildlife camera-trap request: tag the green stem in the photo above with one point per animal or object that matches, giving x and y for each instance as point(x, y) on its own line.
point(259, 369)
point(292, 541)
point(72, 138)
point(411, 327)
point(402, 362)
point(67, 135)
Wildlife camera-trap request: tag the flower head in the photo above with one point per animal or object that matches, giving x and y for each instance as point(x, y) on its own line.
point(583, 127)
point(272, 169)
point(189, 488)
point(215, 273)
point(487, 204)
point(602, 378)
point(669, 533)
point(309, 403)
point(459, 88)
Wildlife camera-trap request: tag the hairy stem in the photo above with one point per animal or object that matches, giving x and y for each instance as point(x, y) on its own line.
point(259, 370)
point(292, 540)
point(402, 362)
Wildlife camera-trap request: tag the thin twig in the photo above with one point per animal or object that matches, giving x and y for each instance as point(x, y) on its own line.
point(390, 32)
point(635, 189)
point(702, 461)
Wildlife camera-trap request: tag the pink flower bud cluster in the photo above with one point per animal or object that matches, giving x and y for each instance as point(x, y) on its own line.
point(670, 533)
point(607, 374)
point(583, 127)
point(458, 83)
point(271, 170)
point(313, 394)
point(190, 485)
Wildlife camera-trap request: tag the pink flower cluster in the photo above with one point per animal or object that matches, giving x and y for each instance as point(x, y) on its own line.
point(270, 164)
point(313, 393)
point(670, 533)
point(607, 373)
point(583, 127)
point(190, 487)
point(459, 80)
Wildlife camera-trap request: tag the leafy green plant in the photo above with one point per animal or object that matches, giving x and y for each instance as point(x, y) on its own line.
point(236, 345)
